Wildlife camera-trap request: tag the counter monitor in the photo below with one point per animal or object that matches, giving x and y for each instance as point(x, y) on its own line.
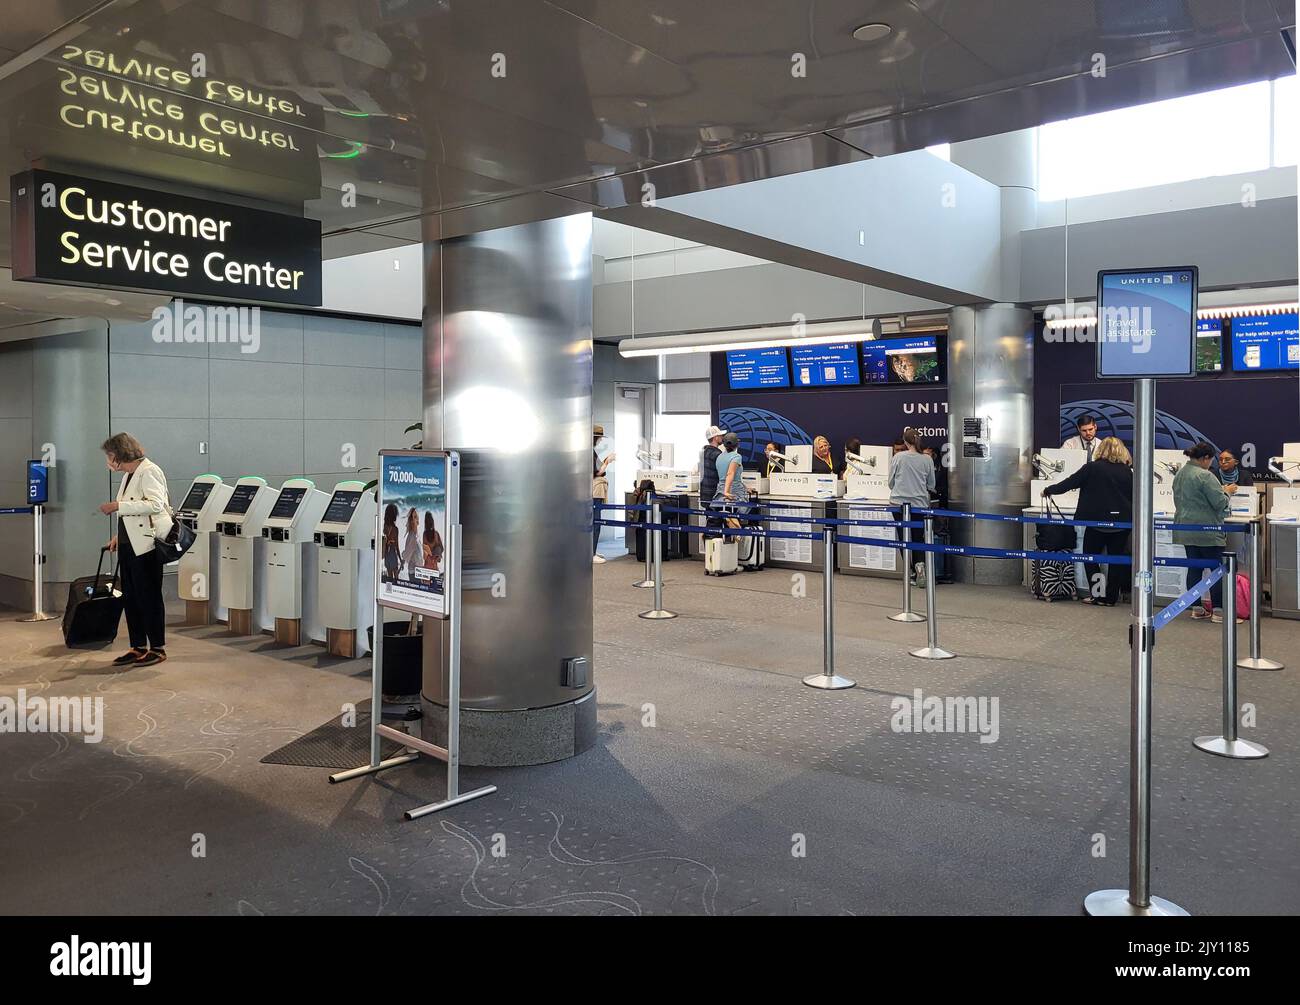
point(915, 359)
point(1265, 342)
point(1209, 345)
point(825, 365)
point(757, 368)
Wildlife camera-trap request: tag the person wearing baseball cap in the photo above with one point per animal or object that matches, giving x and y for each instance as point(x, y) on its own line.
point(709, 465)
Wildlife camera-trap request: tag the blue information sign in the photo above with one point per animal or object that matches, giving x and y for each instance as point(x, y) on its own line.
point(1146, 322)
point(38, 483)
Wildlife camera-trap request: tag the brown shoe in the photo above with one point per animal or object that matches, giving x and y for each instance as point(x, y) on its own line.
point(151, 657)
point(129, 657)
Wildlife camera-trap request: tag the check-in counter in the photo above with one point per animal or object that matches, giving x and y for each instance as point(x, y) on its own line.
point(790, 552)
point(865, 559)
point(1283, 532)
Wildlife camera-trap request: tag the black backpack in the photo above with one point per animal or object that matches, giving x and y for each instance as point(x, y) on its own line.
point(1054, 537)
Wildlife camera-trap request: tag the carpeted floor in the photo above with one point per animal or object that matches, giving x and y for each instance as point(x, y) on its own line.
point(719, 783)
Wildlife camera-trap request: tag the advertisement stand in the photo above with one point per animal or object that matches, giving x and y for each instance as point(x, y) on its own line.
point(411, 481)
point(1146, 322)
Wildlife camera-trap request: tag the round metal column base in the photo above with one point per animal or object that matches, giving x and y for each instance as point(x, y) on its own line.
point(932, 653)
point(644, 584)
point(1241, 749)
point(657, 615)
point(829, 682)
point(1115, 904)
point(1263, 663)
point(908, 616)
point(38, 617)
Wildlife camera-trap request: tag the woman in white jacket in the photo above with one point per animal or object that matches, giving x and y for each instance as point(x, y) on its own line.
point(143, 514)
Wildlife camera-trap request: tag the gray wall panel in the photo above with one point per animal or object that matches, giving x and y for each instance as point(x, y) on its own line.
point(403, 347)
point(15, 381)
point(173, 444)
point(343, 392)
point(326, 439)
point(280, 340)
point(343, 342)
point(158, 385)
point(256, 446)
point(137, 337)
point(247, 390)
point(402, 390)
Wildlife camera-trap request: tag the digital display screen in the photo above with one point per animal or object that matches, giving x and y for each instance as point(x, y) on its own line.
point(919, 359)
point(1265, 342)
point(342, 505)
point(286, 503)
point(751, 368)
point(1209, 345)
point(197, 496)
point(241, 499)
point(1146, 323)
point(825, 365)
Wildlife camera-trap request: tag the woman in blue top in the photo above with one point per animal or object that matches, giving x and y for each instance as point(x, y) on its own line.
point(730, 467)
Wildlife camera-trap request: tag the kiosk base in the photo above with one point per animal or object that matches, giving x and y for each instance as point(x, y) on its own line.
point(241, 621)
point(341, 642)
point(198, 612)
point(288, 631)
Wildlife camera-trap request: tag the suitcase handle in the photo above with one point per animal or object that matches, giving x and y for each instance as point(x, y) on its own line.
point(100, 568)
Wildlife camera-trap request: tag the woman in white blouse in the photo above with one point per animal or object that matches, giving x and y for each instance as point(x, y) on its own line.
point(143, 514)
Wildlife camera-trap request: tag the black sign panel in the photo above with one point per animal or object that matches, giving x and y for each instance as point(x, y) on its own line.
point(85, 232)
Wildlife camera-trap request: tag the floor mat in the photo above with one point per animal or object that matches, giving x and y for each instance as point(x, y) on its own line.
point(334, 745)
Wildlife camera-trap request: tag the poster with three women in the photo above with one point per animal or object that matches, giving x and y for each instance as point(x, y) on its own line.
point(416, 496)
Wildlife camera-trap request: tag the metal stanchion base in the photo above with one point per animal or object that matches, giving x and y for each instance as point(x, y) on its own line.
point(1241, 749)
point(908, 616)
point(644, 584)
point(369, 769)
point(1263, 663)
point(39, 617)
point(464, 797)
point(1115, 904)
point(831, 682)
point(932, 653)
point(657, 615)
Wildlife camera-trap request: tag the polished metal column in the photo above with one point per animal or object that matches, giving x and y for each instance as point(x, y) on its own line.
point(931, 650)
point(1227, 744)
point(990, 377)
point(906, 614)
point(1256, 660)
point(1137, 899)
point(507, 381)
point(828, 679)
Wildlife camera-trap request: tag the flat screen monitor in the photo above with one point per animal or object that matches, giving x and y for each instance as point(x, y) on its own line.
point(914, 359)
point(286, 503)
point(1146, 322)
point(241, 498)
point(342, 505)
point(1209, 345)
point(197, 496)
point(757, 368)
point(1265, 342)
point(825, 365)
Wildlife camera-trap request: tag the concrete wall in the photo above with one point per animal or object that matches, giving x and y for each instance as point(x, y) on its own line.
point(54, 390)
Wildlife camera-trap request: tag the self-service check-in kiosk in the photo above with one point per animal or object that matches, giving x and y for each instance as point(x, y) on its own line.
point(345, 583)
point(291, 561)
point(242, 573)
point(197, 582)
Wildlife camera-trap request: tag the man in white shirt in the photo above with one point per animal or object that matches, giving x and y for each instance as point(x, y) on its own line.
point(1087, 438)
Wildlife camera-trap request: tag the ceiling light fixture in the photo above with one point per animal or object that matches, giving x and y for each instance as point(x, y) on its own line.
point(872, 32)
point(748, 338)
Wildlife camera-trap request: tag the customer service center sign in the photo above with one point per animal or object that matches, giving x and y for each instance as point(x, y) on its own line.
point(85, 232)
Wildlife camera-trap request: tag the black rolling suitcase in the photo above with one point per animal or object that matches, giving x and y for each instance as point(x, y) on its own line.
point(94, 609)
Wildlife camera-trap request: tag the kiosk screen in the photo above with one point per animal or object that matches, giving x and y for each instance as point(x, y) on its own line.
point(342, 504)
point(197, 496)
point(241, 499)
point(286, 504)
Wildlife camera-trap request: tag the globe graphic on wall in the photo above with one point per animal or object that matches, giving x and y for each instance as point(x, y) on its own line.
point(756, 427)
point(1115, 418)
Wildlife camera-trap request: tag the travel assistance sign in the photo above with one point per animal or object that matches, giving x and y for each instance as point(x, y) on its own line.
point(85, 232)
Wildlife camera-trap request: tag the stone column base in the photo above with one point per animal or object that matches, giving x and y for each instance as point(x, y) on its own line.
point(513, 738)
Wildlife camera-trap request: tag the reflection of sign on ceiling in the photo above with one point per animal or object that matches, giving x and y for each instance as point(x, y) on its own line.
point(109, 109)
point(85, 232)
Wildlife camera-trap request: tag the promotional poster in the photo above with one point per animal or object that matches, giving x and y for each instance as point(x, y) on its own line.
point(415, 493)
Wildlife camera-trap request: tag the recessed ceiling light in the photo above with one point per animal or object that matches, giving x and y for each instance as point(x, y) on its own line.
point(873, 32)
